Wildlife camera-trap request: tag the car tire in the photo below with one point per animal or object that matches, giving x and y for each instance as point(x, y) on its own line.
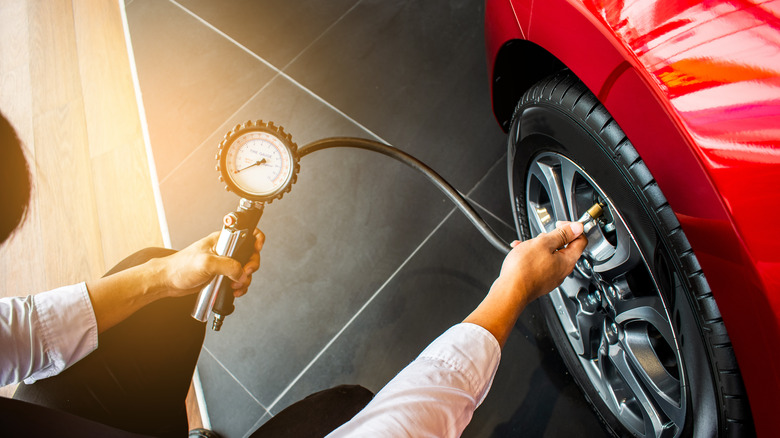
point(636, 322)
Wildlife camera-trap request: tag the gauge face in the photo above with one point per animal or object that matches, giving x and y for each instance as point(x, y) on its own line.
point(258, 164)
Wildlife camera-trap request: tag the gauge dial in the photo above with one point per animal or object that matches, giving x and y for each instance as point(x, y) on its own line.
point(258, 161)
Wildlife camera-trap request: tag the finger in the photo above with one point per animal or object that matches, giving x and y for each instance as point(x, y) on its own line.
point(561, 236)
point(253, 264)
point(242, 283)
point(259, 239)
point(220, 265)
point(515, 243)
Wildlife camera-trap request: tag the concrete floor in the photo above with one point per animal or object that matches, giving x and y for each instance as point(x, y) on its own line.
point(365, 262)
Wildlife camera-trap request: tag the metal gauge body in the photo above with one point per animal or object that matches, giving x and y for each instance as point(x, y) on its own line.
point(258, 161)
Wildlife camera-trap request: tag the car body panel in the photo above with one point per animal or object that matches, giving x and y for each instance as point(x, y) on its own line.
point(696, 88)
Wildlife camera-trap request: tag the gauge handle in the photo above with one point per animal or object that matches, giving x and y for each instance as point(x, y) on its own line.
point(237, 241)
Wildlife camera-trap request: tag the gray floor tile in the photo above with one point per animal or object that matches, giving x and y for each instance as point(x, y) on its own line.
point(191, 78)
point(414, 73)
point(492, 193)
point(236, 417)
point(277, 29)
point(439, 286)
point(531, 394)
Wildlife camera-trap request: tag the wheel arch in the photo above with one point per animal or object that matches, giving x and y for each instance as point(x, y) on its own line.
point(512, 75)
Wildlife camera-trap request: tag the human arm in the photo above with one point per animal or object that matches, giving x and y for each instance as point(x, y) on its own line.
point(533, 268)
point(118, 296)
point(42, 335)
point(438, 392)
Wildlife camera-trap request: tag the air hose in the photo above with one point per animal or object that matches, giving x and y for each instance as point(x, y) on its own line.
point(459, 200)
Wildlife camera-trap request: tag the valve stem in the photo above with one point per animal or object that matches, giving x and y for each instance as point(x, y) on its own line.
point(588, 219)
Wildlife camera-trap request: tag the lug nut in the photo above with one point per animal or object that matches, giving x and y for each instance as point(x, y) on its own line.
point(594, 298)
point(611, 331)
point(616, 292)
point(585, 267)
point(590, 301)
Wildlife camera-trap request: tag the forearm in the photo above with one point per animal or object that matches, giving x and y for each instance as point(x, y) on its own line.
point(118, 296)
point(500, 309)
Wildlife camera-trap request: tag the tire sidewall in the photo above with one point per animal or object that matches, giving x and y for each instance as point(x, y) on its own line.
point(539, 127)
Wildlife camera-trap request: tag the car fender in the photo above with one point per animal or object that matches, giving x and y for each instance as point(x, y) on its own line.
point(710, 177)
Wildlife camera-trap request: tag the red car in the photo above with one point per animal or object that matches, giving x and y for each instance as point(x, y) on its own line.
point(667, 113)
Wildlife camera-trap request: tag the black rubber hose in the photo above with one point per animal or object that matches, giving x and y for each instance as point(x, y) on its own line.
point(414, 163)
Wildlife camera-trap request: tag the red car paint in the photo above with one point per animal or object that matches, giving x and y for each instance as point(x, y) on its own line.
point(695, 85)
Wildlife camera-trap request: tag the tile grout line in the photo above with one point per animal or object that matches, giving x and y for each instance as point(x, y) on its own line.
point(277, 73)
point(203, 143)
point(485, 176)
point(483, 179)
point(206, 349)
point(277, 70)
point(257, 424)
point(321, 34)
point(483, 208)
point(362, 308)
point(378, 291)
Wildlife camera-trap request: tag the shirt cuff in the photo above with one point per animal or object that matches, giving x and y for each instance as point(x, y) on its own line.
point(67, 322)
point(471, 350)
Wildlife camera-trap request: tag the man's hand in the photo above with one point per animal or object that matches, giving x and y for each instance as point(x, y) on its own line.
point(190, 269)
point(539, 265)
point(119, 295)
point(532, 269)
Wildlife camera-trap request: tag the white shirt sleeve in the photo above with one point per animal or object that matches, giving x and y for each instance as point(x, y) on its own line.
point(42, 335)
point(435, 395)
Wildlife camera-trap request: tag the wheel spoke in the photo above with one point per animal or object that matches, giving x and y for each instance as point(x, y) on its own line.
point(589, 326)
point(662, 387)
point(654, 423)
point(626, 255)
point(646, 309)
point(607, 388)
point(569, 172)
point(571, 286)
point(636, 316)
point(577, 324)
point(547, 173)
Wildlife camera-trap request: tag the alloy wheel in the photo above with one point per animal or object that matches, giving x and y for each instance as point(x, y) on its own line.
point(611, 308)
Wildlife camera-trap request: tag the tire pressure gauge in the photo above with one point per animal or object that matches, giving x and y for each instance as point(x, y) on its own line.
point(258, 161)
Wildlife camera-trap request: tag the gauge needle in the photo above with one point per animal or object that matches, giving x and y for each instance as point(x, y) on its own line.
point(256, 163)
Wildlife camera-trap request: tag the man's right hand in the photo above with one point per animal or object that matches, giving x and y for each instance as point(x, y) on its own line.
point(188, 270)
point(532, 269)
point(539, 265)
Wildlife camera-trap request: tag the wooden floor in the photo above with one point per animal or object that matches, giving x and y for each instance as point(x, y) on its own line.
point(66, 85)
